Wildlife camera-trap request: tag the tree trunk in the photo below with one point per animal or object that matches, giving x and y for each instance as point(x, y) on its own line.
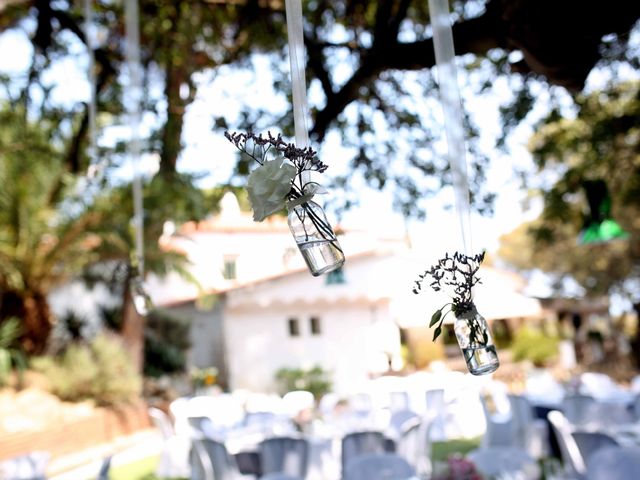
point(635, 343)
point(32, 308)
point(177, 73)
point(172, 132)
point(132, 330)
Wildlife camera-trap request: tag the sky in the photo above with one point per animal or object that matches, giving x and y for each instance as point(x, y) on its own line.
point(205, 152)
point(213, 154)
point(221, 94)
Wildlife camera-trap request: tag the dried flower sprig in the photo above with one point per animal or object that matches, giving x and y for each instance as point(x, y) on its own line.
point(302, 158)
point(457, 273)
point(277, 182)
point(259, 148)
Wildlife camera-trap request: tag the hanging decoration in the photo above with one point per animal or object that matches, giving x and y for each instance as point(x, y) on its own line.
point(286, 179)
point(279, 182)
point(599, 226)
point(458, 272)
point(91, 76)
point(140, 297)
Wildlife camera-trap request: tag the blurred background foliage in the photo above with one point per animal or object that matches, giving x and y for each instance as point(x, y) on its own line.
point(315, 380)
point(368, 69)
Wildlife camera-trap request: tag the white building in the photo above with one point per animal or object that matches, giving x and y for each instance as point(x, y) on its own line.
point(270, 313)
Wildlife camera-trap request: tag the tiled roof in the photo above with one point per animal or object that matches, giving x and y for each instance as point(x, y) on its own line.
point(242, 223)
point(263, 280)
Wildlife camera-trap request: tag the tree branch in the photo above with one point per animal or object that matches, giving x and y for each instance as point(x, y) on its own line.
point(317, 66)
point(477, 35)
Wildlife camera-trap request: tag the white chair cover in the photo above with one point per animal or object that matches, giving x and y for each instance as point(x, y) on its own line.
point(615, 463)
point(174, 457)
point(378, 467)
point(571, 456)
point(602, 387)
point(437, 411)
point(279, 476)
point(399, 419)
point(532, 434)
point(212, 456)
point(356, 444)
point(414, 445)
point(31, 466)
point(179, 409)
point(579, 409)
point(507, 462)
point(288, 455)
point(590, 442)
point(501, 428)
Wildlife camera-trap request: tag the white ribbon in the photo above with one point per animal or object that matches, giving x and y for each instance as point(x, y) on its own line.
point(453, 118)
point(307, 197)
point(134, 109)
point(298, 81)
point(91, 75)
point(308, 191)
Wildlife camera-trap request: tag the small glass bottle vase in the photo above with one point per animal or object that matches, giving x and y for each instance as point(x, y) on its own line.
point(315, 238)
point(476, 344)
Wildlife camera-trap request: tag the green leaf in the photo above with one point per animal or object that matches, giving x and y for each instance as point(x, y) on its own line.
point(435, 318)
point(437, 332)
point(5, 365)
point(19, 359)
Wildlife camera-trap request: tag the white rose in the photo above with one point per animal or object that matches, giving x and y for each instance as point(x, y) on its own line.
point(268, 186)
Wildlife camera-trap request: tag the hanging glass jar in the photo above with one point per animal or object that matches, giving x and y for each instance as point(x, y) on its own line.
point(315, 238)
point(476, 344)
point(139, 296)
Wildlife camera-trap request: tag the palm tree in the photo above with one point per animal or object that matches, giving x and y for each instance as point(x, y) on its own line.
point(53, 231)
point(161, 197)
point(46, 236)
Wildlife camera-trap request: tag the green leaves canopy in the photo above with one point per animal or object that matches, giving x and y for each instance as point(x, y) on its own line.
point(602, 142)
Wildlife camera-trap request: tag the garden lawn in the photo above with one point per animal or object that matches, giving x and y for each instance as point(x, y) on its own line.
point(143, 469)
point(440, 451)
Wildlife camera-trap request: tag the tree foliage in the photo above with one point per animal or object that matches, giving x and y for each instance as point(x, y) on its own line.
point(367, 62)
point(369, 68)
point(54, 229)
point(47, 234)
point(600, 142)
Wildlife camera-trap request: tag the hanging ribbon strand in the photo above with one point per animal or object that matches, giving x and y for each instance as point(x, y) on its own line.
point(453, 117)
point(134, 108)
point(91, 75)
point(298, 80)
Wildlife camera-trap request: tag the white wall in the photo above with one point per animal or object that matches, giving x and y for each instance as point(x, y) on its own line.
point(207, 345)
point(262, 250)
point(357, 327)
point(258, 343)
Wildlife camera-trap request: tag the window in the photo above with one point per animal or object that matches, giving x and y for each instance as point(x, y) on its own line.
point(229, 269)
point(336, 277)
point(294, 327)
point(314, 326)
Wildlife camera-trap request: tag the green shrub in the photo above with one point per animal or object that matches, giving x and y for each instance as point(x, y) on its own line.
point(422, 349)
point(11, 354)
point(101, 370)
point(535, 346)
point(315, 380)
point(203, 377)
point(166, 340)
point(501, 334)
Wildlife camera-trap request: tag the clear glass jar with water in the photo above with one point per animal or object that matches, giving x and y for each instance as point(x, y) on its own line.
point(315, 238)
point(474, 338)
